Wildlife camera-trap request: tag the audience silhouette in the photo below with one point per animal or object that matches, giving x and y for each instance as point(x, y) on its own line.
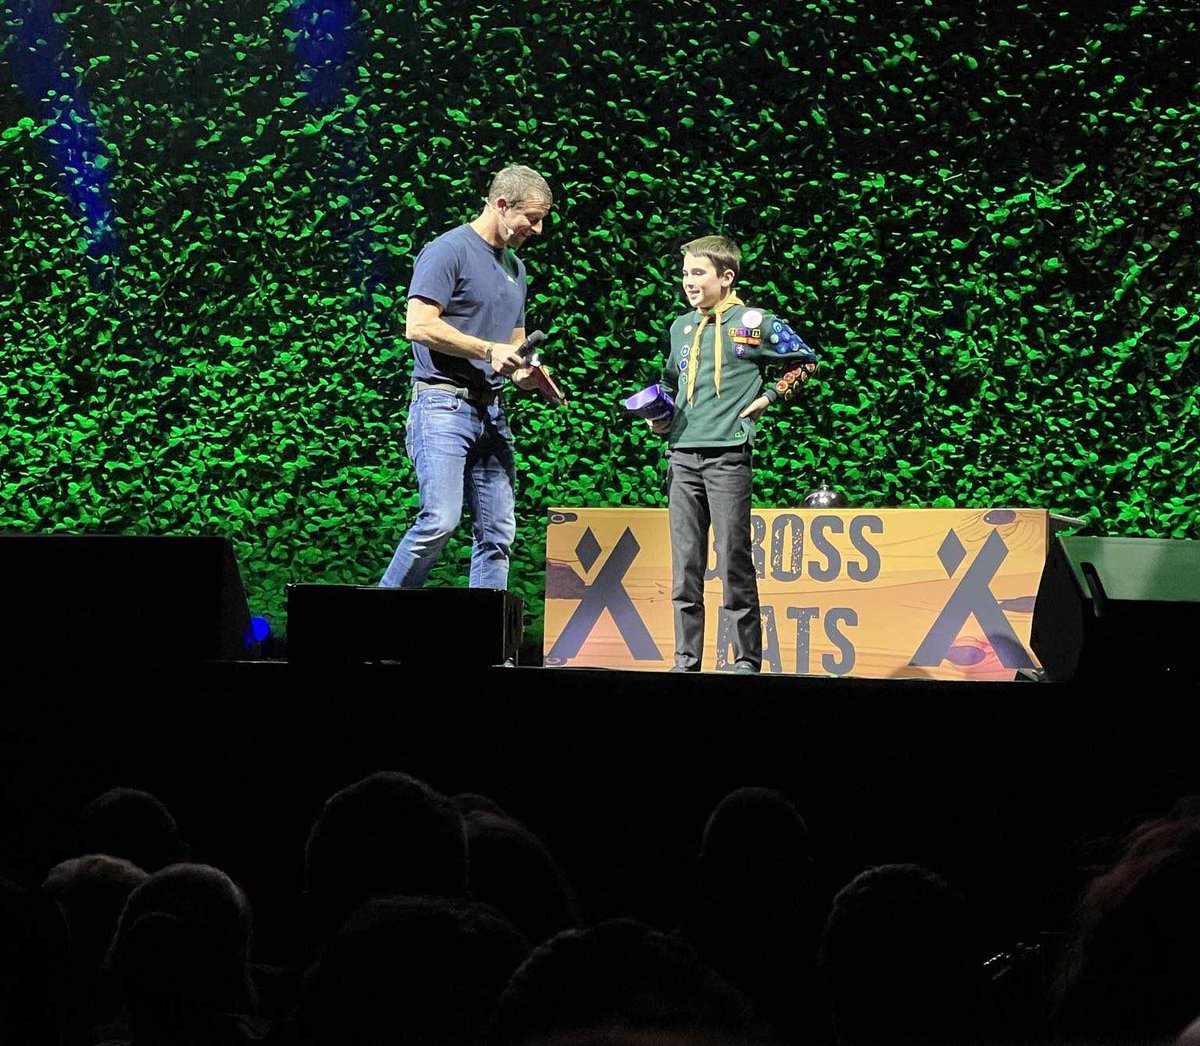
point(423, 971)
point(473, 802)
point(438, 921)
point(620, 982)
point(180, 959)
point(387, 834)
point(133, 824)
point(900, 960)
point(91, 891)
point(33, 966)
point(754, 917)
point(1132, 968)
point(513, 870)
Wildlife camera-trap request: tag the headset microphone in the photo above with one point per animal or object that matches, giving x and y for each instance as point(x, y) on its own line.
point(508, 230)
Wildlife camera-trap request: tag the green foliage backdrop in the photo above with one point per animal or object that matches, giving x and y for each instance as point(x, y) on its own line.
point(984, 216)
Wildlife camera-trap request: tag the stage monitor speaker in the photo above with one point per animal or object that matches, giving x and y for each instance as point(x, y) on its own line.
point(78, 598)
point(444, 627)
point(1117, 607)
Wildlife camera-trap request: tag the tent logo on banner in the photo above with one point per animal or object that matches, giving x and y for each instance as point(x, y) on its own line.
point(606, 592)
point(972, 598)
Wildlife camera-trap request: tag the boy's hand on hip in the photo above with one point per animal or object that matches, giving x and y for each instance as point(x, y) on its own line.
point(754, 411)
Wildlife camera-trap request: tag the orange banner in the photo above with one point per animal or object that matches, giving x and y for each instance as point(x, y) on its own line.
point(930, 593)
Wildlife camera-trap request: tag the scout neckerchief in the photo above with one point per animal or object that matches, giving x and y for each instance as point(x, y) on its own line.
point(717, 312)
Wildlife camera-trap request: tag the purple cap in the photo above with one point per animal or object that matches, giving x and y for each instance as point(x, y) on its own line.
point(653, 403)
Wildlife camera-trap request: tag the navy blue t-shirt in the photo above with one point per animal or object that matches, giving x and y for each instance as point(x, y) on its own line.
point(481, 290)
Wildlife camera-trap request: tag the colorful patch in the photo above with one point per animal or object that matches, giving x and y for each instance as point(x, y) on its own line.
point(752, 317)
point(746, 335)
point(683, 364)
point(777, 326)
point(684, 350)
point(740, 351)
point(791, 342)
point(687, 329)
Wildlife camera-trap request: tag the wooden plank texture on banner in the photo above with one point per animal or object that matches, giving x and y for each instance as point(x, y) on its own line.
point(928, 593)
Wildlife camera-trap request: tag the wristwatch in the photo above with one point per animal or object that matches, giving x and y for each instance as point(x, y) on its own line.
point(487, 353)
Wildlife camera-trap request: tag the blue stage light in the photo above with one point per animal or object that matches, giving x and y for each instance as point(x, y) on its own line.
point(325, 40)
point(45, 69)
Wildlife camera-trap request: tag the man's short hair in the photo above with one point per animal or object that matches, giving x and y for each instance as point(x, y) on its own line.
point(131, 823)
point(518, 184)
point(582, 985)
point(720, 250)
point(386, 834)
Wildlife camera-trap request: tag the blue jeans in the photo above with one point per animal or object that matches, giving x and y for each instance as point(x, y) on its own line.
point(459, 449)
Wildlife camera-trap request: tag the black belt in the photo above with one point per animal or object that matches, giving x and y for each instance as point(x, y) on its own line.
point(481, 398)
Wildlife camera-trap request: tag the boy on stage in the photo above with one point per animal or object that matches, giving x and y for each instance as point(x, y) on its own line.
point(713, 375)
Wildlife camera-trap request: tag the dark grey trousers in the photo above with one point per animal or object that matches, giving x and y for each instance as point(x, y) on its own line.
point(711, 485)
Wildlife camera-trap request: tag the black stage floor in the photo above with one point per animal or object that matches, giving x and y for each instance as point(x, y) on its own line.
point(1011, 790)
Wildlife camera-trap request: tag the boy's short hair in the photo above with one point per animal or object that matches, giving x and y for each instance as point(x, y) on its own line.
point(720, 250)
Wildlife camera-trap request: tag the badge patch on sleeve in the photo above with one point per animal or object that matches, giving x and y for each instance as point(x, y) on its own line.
point(746, 335)
point(786, 341)
point(752, 317)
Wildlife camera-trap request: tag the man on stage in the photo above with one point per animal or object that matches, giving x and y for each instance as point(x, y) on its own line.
point(466, 318)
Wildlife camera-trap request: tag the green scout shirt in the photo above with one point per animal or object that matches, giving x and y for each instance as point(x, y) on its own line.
point(711, 420)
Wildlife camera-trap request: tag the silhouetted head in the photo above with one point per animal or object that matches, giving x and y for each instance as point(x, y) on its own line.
point(91, 891)
point(899, 959)
point(1133, 966)
point(1186, 806)
point(388, 834)
point(473, 802)
point(620, 981)
point(513, 870)
point(33, 963)
point(135, 825)
point(183, 943)
point(1190, 1036)
point(422, 971)
point(755, 851)
point(753, 918)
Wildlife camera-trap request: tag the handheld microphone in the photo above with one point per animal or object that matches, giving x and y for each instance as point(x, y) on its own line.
point(528, 348)
point(545, 384)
